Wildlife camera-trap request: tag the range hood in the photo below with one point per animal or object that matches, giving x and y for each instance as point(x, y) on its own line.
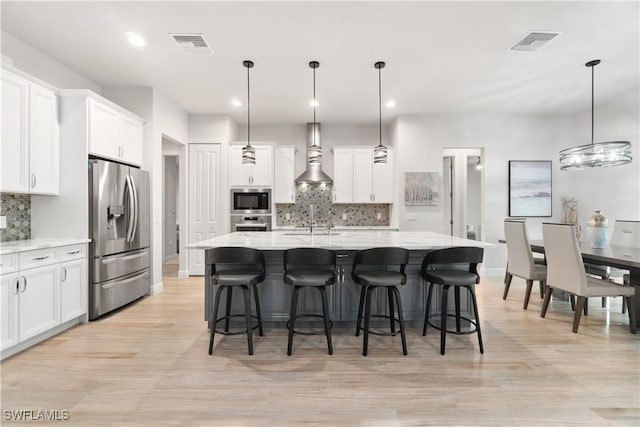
point(313, 174)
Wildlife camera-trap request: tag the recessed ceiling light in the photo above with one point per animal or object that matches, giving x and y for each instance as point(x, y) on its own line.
point(135, 39)
point(314, 103)
point(236, 102)
point(390, 103)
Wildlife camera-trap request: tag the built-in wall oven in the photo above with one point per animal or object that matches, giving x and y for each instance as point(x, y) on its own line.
point(250, 209)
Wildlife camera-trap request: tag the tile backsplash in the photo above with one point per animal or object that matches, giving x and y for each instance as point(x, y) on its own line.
point(17, 209)
point(325, 211)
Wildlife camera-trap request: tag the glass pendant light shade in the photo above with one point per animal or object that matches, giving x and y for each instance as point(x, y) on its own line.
point(599, 154)
point(380, 151)
point(248, 152)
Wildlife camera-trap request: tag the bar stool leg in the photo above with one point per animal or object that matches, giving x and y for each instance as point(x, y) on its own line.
point(363, 292)
point(292, 318)
point(325, 313)
point(367, 318)
point(426, 316)
point(247, 317)
point(392, 320)
point(257, 299)
point(215, 317)
point(443, 318)
point(228, 318)
point(400, 319)
point(477, 315)
point(456, 295)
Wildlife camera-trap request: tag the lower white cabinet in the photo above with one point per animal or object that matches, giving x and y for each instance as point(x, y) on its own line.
point(48, 290)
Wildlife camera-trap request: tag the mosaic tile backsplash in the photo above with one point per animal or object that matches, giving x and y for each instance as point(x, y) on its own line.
point(17, 209)
point(326, 212)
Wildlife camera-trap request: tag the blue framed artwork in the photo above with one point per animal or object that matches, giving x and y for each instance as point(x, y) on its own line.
point(530, 188)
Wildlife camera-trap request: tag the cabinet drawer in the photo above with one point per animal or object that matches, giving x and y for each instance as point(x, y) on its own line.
point(8, 263)
point(31, 259)
point(73, 252)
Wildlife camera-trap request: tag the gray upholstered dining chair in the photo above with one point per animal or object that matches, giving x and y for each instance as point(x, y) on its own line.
point(565, 271)
point(520, 261)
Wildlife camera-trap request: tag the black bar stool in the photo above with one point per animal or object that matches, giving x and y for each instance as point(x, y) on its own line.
point(372, 278)
point(229, 267)
point(315, 268)
point(443, 267)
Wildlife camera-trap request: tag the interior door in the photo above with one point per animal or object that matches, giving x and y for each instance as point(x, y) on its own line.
point(204, 199)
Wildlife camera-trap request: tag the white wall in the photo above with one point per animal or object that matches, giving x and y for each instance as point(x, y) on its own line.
point(39, 65)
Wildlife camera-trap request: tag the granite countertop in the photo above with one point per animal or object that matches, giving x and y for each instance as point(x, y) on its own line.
point(14, 246)
point(346, 240)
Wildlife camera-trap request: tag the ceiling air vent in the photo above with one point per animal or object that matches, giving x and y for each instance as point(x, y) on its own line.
point(534, 40)
point(192, 43)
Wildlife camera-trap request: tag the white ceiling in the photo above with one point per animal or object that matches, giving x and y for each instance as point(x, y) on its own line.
point(441, 56)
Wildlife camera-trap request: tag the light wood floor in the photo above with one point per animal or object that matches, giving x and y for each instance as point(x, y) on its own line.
point(148, 366)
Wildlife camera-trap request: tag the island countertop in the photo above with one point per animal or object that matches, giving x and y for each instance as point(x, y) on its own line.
point(344, 240)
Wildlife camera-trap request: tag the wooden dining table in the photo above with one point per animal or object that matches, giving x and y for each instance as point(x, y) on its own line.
point(622, 257)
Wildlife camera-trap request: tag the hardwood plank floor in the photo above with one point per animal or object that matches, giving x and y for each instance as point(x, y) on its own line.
point(148, 365)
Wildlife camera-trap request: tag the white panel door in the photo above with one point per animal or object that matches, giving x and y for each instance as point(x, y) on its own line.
point(44, 152)
point(383, 182)
point(14, 150)
point(362, 175)
point(342, 175)
point(131, 140)
point(9, 310)
point(39, 300)
point(103, 131)
point(73, 289)
point(205, 190)
point(284, 180)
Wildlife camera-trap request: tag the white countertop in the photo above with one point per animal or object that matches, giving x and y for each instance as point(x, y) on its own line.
point(338, 227)
point(13, 246)
point(346, 240)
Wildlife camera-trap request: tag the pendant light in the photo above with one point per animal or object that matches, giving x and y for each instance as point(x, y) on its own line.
point(598, 154)
point(248, 152)
point(314, 152)
point(380, 151)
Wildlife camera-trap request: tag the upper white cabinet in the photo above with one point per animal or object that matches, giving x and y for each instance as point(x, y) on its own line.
point(357, 180)
point(114, 133)
point(285, 187)
point(260, 174)
point(29, 151)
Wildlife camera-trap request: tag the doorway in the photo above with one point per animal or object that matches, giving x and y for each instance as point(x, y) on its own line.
point(173, 208)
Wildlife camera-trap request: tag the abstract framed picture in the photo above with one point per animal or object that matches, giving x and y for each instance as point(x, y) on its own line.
point(530, 188)
point(421, 189)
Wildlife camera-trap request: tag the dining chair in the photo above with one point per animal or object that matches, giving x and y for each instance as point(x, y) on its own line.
point(520, 262)
point(565, 271)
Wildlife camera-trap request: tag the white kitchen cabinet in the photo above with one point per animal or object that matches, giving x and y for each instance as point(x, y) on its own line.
point(30, 134)
point(358, 180)
point(9, 309)
point(39, 303)
point(285, 186)
point(73, 289)
point(114, 133)
point(260, 174)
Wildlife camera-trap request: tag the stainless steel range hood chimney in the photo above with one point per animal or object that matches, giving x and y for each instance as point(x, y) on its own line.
point(313, 174)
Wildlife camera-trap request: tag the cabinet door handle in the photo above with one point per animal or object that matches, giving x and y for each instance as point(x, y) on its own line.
point(73, 252)
point(17, 286)
point(33, 180)
point(25, 284)
point(40, 258)
point(64, 276)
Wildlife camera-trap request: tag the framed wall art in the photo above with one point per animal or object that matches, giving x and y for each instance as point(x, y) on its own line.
point(421, 189)
point(530, 188)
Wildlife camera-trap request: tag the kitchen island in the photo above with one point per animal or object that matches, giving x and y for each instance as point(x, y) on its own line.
point(344, 295)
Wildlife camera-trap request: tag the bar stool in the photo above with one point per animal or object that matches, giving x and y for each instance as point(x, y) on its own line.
point(438, 268)
point(229, 267)
point(370, 279)
point(309, 268)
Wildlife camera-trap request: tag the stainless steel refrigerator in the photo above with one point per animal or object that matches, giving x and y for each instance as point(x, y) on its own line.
point(119, 227)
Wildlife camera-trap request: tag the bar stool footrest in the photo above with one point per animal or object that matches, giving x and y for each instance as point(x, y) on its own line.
point(471, 331)
point(236, 331)
point(378, 332)
point(307, 317)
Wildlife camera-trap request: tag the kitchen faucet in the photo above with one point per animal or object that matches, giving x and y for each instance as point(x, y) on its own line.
point(311, 219)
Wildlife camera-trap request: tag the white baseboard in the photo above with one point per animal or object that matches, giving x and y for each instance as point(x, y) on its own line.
point(156, 289)
point(183, 274)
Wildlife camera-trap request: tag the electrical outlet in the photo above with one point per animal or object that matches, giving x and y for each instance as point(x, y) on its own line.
point(287, 215)
point(344, 216)
point(411, 217)
point(3, 222)
point(378, 215)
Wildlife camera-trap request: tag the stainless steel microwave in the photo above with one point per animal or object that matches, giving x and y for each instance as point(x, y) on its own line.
point(250, 200)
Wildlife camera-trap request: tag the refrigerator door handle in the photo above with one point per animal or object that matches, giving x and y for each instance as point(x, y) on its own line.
point(130, 194)
point(135, 209)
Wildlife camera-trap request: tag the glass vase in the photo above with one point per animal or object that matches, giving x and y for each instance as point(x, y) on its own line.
point(598, 226)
